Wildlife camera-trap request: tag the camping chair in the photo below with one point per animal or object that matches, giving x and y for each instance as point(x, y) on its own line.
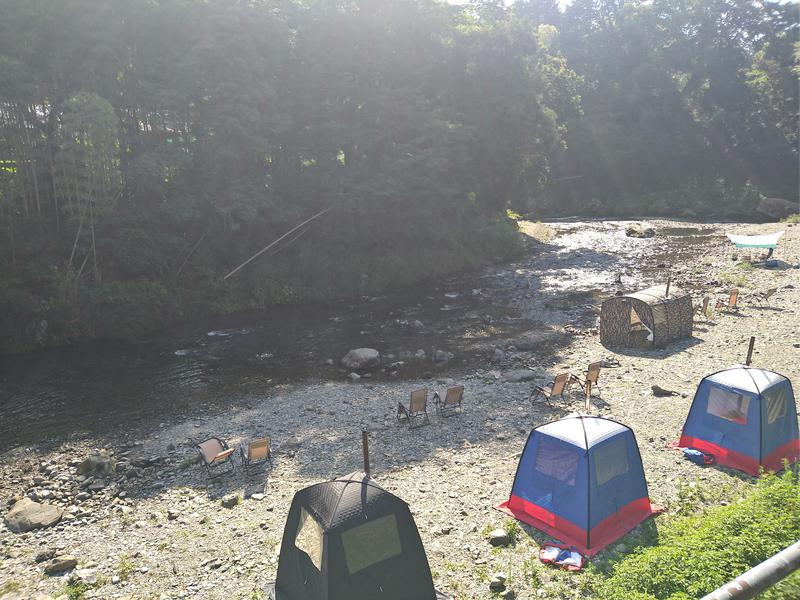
point(255, 452)
point(557, 387)
point(452, 401)
point(763, 297)
point(590, 377)
point(214, 453)
point(417, 411)
point(732, 301)
point(702, 309)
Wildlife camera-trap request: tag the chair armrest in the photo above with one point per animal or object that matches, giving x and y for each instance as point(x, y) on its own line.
point(223, 455)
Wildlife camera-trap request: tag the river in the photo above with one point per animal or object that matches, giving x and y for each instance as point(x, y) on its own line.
point(229, 360)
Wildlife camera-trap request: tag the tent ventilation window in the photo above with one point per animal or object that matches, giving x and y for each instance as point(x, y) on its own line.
point(368, 544)
point(557, 460)
point(610, 460)
point(309, 538)
point(728, 405)
point(776, 405)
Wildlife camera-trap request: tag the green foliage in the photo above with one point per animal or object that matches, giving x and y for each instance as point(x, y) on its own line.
point(733, 279)
point(9, 587)
point(147, 148)
point(696, 554)
point(791, 219)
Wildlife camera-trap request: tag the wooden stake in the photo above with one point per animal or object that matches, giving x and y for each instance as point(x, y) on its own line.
point(588, 396)
point(669, 279)
point(365, 448)
point(750, 351)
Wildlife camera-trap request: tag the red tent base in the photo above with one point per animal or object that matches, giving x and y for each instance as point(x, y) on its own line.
point(741, 462)
point(604, 533)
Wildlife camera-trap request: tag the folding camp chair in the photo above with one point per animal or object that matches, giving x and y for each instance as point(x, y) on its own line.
point(452, 401)
point(555, 388)
point(732, 301)
point(590, 377)
point(214, 453)
point(417, 411)
point(762, 298)
point(255, 452)
point(702, 309)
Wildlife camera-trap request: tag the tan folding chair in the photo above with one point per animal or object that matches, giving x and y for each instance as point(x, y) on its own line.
point(452, 401)
point(763, 297)
point(733, 299)
point(590, 377)
point(417, 411)
point(702, 309)
point(214, 453)
point(555, 388)
point(255, 452)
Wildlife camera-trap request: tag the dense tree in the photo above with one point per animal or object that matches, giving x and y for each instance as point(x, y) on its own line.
point(149, 146)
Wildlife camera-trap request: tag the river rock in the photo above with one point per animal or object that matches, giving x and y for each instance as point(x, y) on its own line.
point(26, 515)
point(88, 576)
point(230, 500)
point(639, 231)
point(362, 358)
point(97, 464)
point(499, 537)
point(60, 564)
point(498, 582)
point(518, 375)
point(442, 356)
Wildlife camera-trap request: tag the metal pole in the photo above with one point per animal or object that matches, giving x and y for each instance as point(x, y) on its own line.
point(759, 578)
point(750, 351)
point(365, 448)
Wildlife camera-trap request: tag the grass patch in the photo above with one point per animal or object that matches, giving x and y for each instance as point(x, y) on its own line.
point(795, 218)
point(9, 586)
point(734, 279)
point(125, 567)
point(699, 553)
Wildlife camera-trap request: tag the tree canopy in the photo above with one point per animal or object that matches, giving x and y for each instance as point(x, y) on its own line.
point(149, 146)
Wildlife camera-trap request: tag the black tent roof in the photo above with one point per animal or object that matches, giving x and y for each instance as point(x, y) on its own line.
point(349, 539)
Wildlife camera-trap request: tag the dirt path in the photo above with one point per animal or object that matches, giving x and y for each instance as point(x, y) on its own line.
point(157, 530)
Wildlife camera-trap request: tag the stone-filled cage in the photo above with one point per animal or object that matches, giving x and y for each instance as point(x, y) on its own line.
point(654, 317)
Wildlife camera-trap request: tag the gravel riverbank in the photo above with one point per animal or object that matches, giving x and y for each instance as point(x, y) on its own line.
point(156, 527)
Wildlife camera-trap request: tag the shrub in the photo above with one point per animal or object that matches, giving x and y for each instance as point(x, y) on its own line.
point(697, 554)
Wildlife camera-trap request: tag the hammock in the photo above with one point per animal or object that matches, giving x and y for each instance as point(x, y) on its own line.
point(755, 241)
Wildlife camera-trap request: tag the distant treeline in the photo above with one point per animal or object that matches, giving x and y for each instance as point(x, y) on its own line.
point(147, 147)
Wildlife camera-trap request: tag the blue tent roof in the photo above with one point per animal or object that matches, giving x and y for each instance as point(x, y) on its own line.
point(581, 480)
point(746, 418)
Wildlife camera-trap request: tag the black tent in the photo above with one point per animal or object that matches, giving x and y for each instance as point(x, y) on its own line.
point(349, 539)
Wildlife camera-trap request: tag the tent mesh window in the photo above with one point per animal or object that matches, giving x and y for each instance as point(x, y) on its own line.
point(728, 405)
point(776, 403)
point(371, 543)
point(557, 460)
point(610, 460)
point(309, 538)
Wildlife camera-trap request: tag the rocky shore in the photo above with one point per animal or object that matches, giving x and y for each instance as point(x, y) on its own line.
point(133, 515)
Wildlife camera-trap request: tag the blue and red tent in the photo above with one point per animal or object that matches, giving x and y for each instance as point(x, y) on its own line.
point(746, 418)
point(580, 479)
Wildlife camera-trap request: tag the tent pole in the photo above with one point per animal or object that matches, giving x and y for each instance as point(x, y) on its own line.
point(669, 279)
point(750, 351)
point(365, 448)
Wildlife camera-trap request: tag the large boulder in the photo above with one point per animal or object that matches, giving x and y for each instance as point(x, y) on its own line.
point(27, 515)
point(59, 564)
point(362, 358)
point(97, 464)
point(639, 231)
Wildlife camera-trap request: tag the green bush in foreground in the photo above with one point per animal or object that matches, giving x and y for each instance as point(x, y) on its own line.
point(697, 554)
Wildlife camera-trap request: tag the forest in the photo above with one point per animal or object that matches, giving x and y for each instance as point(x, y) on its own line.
point(148, 147)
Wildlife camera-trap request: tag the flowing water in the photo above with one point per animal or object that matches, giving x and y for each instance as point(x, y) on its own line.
point(226, 361)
